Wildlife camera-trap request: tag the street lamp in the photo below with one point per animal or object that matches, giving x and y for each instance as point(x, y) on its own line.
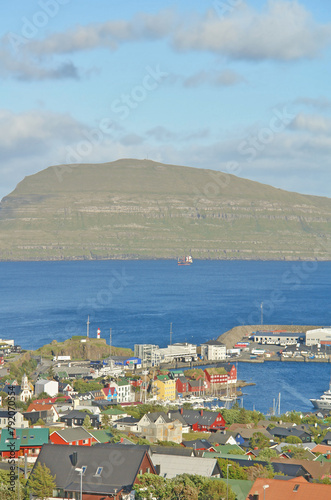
point(80, 472)
point(227, 480)
point(265, 486)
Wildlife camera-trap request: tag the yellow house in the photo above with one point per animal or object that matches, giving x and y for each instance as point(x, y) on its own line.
point(165, 387)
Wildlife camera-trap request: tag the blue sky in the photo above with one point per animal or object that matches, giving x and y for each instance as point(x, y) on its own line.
point(241, 86)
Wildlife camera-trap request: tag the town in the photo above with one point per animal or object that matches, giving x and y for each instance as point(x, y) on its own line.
point(107, 427)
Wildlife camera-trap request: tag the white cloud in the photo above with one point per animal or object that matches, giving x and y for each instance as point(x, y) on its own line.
point(311, 123)
point(284, 30)
point(224, 78)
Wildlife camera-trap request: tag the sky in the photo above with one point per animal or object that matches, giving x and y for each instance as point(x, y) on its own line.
point(239, 86)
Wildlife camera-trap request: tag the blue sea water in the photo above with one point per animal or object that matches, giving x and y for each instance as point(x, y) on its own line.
point(42, 301)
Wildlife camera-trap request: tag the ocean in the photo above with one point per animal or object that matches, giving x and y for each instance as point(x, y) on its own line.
point(138, 300)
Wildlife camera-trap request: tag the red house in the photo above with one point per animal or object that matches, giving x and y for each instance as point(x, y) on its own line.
point(16, 443)
point(75, 435)
point(224, 373)
point(182, 384)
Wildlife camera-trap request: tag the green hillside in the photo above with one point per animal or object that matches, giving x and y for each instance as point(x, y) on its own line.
point(142, 209)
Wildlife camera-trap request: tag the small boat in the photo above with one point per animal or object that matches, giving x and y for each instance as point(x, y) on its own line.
point(185, 261)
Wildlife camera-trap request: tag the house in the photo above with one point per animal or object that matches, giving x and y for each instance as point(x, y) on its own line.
point(244, 435)
point(114, 413)
point(201, 420)
point(22, 442)
point(66, 388)
point(7, 419)
point(44, 415)
point(44, 407)
point(157, 426)
point(314, 469)
point(164, 387)
point(75, 435)
point(127, 363)
point(283, 433)
point(129, 424)
point(327, 439)
point(174, 465)
point(195, 386)
point(181, 384)
point(172, 450)
point(293, 489)
point(199, 444)
point(106, 470)
point(51, 387)
point(222, 438)
point(118, 392)
point(224, 373)
point(213, 350)
point(76, 418)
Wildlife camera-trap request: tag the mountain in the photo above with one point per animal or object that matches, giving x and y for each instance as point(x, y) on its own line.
point(143, 209)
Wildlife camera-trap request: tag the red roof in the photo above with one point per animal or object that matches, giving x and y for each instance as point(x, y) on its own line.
point(296, 489)
point(40, 407)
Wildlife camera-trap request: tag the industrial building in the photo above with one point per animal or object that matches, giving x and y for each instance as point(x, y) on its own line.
point(318, 336)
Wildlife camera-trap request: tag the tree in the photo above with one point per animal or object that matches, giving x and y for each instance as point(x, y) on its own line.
point(259, 440)
point(235, 471)
point(87, 422)
point(8, 490)
point(105, 421)
point(293, 440)
point(259, 471)
point(215, 489)
point(40, 422)
point(266, 454)
point(41, 482)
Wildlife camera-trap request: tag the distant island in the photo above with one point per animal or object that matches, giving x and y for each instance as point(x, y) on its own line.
point(140, 209)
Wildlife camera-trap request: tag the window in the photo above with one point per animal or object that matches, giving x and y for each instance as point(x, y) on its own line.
point(98, 472)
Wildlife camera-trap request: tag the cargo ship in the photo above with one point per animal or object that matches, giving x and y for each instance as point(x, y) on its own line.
point(185, 261)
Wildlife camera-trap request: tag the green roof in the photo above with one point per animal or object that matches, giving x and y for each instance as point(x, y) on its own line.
point(227, 448)
point(228, 456)
point(102, 435)
point(113, 411)
point(123, 381)
point(162, 377)
point(24, 437)
point(240, 487)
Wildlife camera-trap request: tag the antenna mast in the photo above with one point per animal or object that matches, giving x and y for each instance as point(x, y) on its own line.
point(88, 326)
point(110, 342)
point(261, 313)
point(170, 333)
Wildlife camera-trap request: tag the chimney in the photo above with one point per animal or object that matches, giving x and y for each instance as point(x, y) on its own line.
point(256, 496)
point(14, 434)
point(328, 456)
point(181, 411)
point(201, 412)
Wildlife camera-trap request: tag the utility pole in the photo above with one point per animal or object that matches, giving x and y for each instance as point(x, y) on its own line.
point(88, 326)
point(110, 342)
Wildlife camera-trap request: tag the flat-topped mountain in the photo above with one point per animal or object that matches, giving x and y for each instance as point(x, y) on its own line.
point(142, 209)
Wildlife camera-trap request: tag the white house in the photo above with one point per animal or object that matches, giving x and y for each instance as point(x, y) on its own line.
point(7, 419)
point(51, 387)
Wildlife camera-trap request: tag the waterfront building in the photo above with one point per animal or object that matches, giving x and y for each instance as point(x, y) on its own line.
point(181, 351)
point(165, 388)
point(278, 338)
point(148, 353)
point(318, 336)
point(213, 350)
point(224, 373)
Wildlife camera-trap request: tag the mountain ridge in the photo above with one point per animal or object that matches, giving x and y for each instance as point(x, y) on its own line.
point(143, 209)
